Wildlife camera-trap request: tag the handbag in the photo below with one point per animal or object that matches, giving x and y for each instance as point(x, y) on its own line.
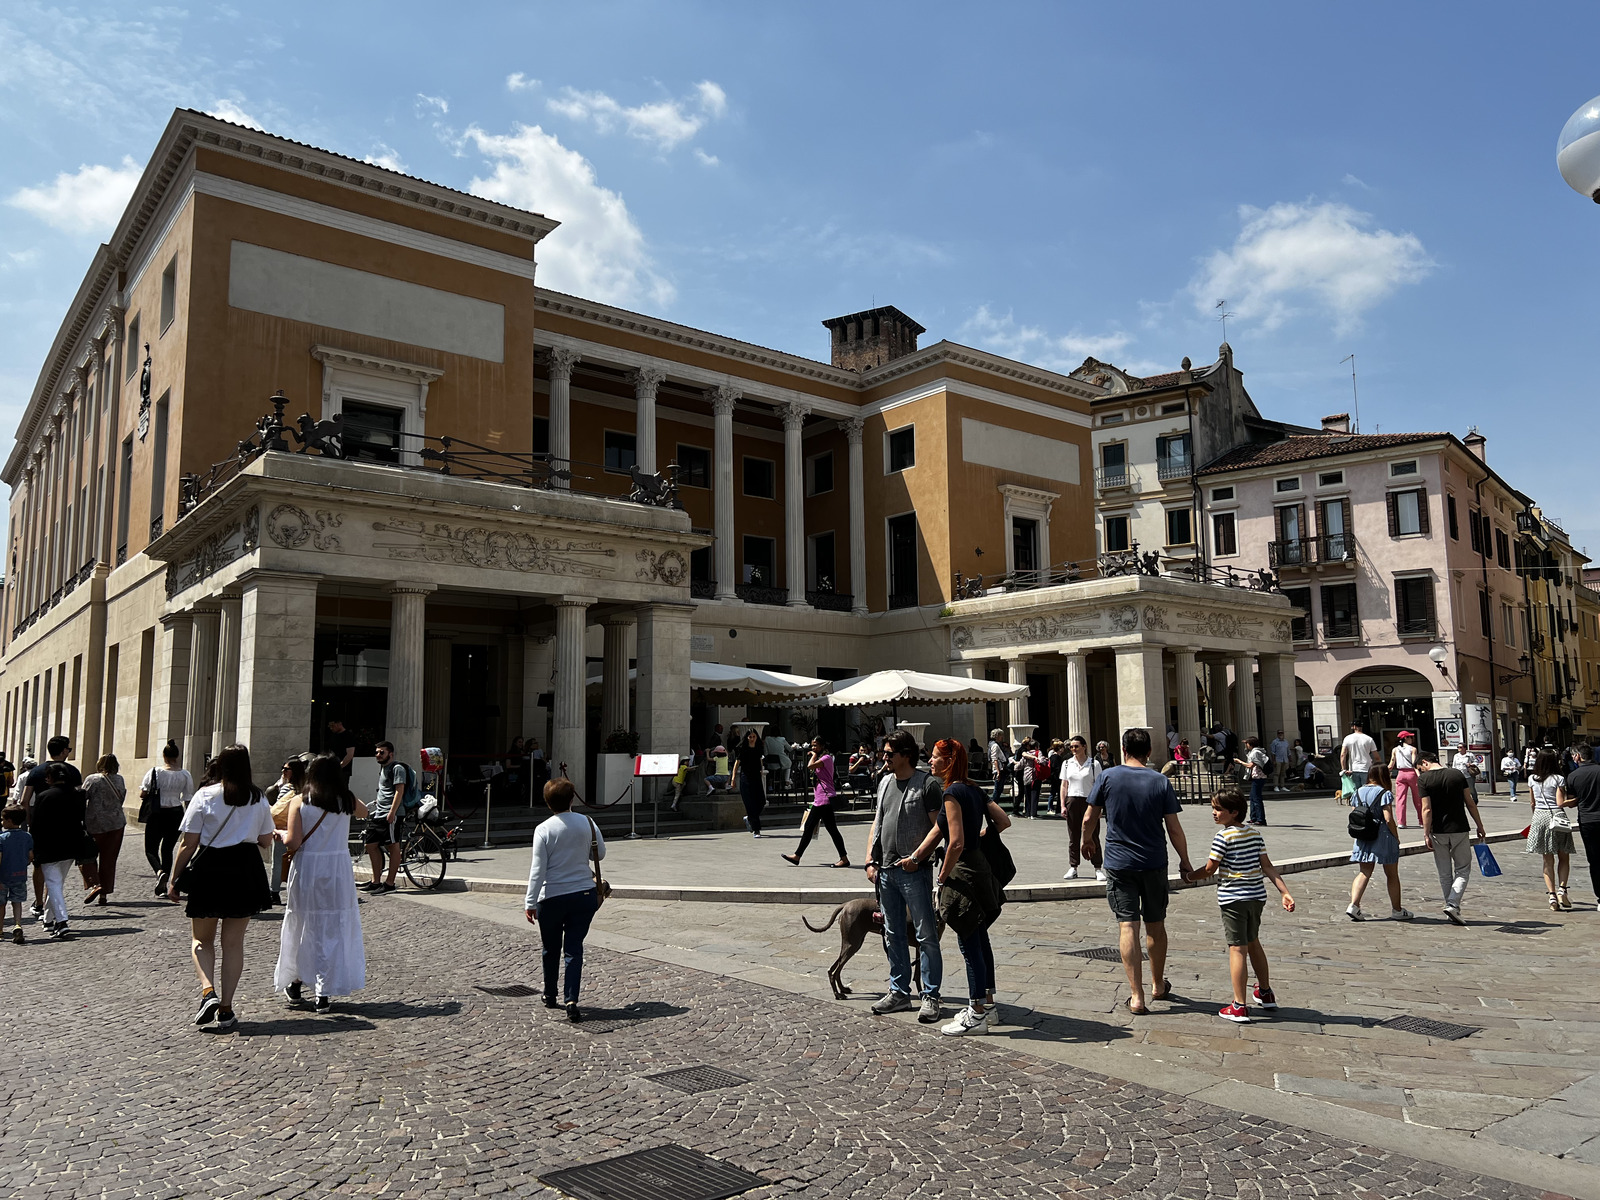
point(190, 878)
point(602, 889)
point(1001, 864)
point(1487, 866)
point(1562, 820)
point(288, 855)
point(149, 798)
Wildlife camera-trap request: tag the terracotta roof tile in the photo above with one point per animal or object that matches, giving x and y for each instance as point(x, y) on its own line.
point(1164, 380)
point(1309, 446)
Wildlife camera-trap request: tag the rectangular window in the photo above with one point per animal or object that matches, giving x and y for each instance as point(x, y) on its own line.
point(372, 431)
point(903, 449)
point(1222, 493)
point(700, 565)
point(539, 436)
point(1114, 464)
point(622, 452)
point(1339, 618)
point(1173, 459)
point(1024, 544)
point(1402, 468)
point(147, 678)
point(760, 561)
point(1291, 521)
point(1508, 625)
point(1502, 548)
point(1116, 534)
point(1300, 627)
point(1180, 527)
point(1474, 530)
point(1333, 516)
point(820, 568)
point(124, 499)
point(158, 467)
point(169, 295)
point(760, 478)
point(694, 466)
point(1291, 484)
point(1413, 606)
point(108, 724)
point(1485, 625)
point(1330, 479)
point(135, 353)
point(1168, 409)
point(1224, 535)
point(903, 561)
point(1450, 517)
point(1112, 419)
point(819, 474)
point(1408, 513)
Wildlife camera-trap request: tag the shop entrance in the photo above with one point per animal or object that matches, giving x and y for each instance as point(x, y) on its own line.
point(1389, 701)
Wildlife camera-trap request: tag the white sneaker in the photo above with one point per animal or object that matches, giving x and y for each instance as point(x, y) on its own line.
point(1354, 913)
point(1100, 875)
point(1072, 873)
point(991, 1016)
point(966, 1022)
point(1400, 914)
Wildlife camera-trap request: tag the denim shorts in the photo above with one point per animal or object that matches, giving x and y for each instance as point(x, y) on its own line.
point(1137, 895)
point(16, 891)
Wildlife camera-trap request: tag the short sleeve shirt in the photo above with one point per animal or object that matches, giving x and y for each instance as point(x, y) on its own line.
point(1544, 791)
point(1583, 785)
point(1136, 801)
point(1446, 790)
point(1237, 851)
point(36, 777)
point(1362, 751)
point(221, 824)
point(15, 845)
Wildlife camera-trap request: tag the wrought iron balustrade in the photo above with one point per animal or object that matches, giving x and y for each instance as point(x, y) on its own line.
point(755, 593)
point(703, 589)
point(902, 599)
point(1109, 478)
point(1169, 469)
point(1292, 552)
point(1109, 566)
point(829, 601)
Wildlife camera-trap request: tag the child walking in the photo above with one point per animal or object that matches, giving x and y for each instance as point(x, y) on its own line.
point(1239, 860)
point(16, 853)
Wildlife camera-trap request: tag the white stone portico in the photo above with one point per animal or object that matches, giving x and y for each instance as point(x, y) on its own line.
point(1142, 640)
point(291, 527)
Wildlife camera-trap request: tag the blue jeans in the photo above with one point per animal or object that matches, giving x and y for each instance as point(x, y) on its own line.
point(999, 787)
point(563, 924)
point(1258, 810)
point(979, 956)
point(898, 892)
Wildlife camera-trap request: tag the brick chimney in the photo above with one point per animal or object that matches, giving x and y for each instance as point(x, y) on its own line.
point(1336, 423)
point(1477, 443)
point(869, 339)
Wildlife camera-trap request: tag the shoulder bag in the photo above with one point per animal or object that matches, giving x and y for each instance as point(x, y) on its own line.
point(288, 855)
point(149, 797)
point(191, 877)
point(602, 889)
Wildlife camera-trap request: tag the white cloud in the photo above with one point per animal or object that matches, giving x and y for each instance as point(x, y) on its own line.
point(385, 156)
point(1325, 257)
point(706, 160)
point(518, 82)
point(438, 103)
point(1028, 343)
point(228, 110)
point(1356, 181)
point(88, 201)
point(665, 123)
point(599, 251)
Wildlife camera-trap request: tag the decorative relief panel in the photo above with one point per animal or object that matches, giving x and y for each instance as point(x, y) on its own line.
point(209, 557)
point(292, 527)
point(477, 546)
point(1026, 629)
point(1218, 624)
point(667, 566)
point(1124, 618)
point(1281, 630)
point(1155, 617)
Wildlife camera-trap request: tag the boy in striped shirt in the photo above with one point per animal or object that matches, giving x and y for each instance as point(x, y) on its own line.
point(1239, 860)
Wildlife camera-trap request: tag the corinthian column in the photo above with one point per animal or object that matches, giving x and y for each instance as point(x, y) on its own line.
point(858, 518)
point(562, 361)
point(567, 732)
point(614, 708)
point(408, 622)
point(1188, 696)
point(794, 503)
point(723, 400)
point(645, 382)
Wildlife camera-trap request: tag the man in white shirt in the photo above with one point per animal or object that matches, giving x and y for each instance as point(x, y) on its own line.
point(1356, 755)
point(1467, 764)
point(1280, 761)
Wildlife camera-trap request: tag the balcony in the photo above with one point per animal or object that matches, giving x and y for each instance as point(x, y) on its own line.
point(1171, 469)
point(902, 600)
point(1331, 549)
point(755, 593)
point(829, 601)
point(1417, 627)
point(703, 589)
point(1108, 479)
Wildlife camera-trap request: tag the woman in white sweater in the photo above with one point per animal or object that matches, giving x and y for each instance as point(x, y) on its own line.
point(562, 896)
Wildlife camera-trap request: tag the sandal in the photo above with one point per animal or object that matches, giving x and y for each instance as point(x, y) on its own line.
point(1566, 900)
point(1138, 1012)
point(1555, 905)
point(1164, 992)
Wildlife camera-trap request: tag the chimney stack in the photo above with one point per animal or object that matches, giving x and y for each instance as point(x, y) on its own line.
point(1478, 444)
point(869, 339)
point(1336, 423)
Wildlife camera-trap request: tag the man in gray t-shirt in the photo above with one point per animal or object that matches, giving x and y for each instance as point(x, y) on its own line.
point(384, 816)
point(904, 835)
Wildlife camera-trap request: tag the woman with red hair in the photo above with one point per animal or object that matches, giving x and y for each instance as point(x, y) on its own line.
point(961, 818)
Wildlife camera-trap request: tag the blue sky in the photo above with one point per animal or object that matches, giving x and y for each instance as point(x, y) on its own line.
point(1044, 180)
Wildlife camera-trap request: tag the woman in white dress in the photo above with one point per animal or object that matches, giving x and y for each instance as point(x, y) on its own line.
point(321, 939)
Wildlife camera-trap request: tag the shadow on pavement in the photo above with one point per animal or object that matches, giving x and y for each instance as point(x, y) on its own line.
point(301, 1025)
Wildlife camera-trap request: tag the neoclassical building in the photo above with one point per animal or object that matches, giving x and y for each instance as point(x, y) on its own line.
point(312, 443)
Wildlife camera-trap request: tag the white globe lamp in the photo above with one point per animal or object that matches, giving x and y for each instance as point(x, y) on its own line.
point(1578, 150)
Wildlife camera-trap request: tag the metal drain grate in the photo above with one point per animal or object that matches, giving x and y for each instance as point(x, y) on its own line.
point(1430, 1028)
point(1099, 954)
point(699, 1079)
point(510, 989)
point(662, 1173)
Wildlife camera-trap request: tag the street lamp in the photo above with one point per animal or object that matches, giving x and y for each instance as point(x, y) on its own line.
point(1578, 150)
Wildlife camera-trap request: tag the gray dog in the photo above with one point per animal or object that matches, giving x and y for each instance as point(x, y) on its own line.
point(855, 923)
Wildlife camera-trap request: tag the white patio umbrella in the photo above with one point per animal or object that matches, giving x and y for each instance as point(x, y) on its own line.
point(718, 683)
point(917, 688)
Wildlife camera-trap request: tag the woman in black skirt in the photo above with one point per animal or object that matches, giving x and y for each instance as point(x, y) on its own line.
point(225, 828)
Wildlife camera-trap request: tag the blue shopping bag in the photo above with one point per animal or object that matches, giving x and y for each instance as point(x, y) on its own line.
point(1486, 863)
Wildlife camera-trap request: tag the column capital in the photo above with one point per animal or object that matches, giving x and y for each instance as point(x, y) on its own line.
point(412, 589)
point(572, 601)
point(208, 608)
point(112, 329)
point(561, 360)
point(852, 427)
point(794, 416)
point(724, 398)
point(617, 620)
point(646, 380)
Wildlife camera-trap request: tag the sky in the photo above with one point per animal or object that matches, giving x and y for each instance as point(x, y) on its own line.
point(1046, 181)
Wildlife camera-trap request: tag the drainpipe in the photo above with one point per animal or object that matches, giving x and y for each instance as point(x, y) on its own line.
point(1483, 571)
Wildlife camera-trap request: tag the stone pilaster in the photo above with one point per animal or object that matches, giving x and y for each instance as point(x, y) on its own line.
point(198, 722)
point(225, 715)
point(277, 660)
point(1142, 697)
point(614, 707)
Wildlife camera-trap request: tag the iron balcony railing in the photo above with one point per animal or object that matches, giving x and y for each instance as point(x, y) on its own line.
point(1109, 478)
point(1327, 550)
point(755, 593)
point(1168, 469)
point(442, 455)
point(829, 601)
point(1417, 627)
point(703, 589)
point(1106, 566)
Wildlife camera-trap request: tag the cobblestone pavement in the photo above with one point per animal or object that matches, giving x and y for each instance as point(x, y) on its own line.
point(427, 1086)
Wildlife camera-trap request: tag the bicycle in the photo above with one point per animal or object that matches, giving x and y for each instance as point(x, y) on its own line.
point(426, 849)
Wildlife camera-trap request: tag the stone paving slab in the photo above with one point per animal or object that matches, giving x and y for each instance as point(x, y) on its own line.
point(426, 1086)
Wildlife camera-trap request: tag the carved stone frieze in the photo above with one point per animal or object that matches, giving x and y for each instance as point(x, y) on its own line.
point(1124, 618)
point(1155, 617)
point(1026, 629)
point(1281, 630)
point(666, 566)
point(478, 546)
point(291, 527)
point(1218, 624)
point(209, 557)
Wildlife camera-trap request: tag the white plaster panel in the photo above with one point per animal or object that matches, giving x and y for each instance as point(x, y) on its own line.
point(988, 445)
point(296, 288)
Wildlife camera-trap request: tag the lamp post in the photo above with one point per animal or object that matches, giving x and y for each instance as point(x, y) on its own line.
point(1578, 150)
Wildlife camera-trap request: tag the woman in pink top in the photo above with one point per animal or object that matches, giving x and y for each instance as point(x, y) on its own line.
point(821, 811)
point(1403, 762)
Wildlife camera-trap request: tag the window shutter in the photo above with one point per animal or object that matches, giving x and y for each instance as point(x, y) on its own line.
point(1401, 615)
point(1344, 506)
point(1394, 514)
point(1427, 605)
point(1422, 511)
point(1300, 515)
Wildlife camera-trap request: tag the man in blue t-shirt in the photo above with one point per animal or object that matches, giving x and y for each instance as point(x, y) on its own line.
point(1141, 812)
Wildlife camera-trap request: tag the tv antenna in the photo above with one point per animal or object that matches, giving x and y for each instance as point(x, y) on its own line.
point(1354, 398)
point(1221, 307)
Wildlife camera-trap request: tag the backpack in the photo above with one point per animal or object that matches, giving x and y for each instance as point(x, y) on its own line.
point(1364, 825)
point(411, 797)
